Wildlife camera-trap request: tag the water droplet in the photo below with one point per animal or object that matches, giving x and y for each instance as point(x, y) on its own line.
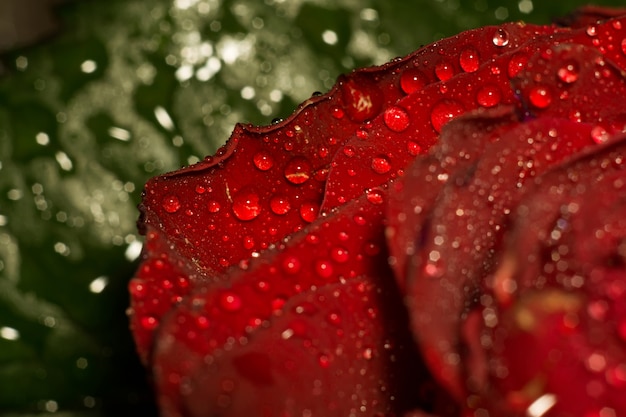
point(443, 112)
point(412, 80)
point(501, 37)
point(137, 288)
point(149, 322)
point(324, 269)
point(230, 302)
point(263, 160)
point(568, 73)
point(368, 353)
point(200, 189)
point(444, 71)
point(203, 322)
point(396, 119)
point(323, 152)
point(360, 220)
point(516, 64)
point(171, 204)
point(246, 205)
point(213, 206)
point(362, 98)
point(248, 242)
point(414, 148)
point(323, 360)
point(291, 265)
point(339, 254)
point(592, 31)
point(488, 96)
point(333, 318)
point(348, 151)
point(599, 134)
point(308, 211)
point(623, 44)
point(338, 113)
point(469, 60)
point(375, 196)
point(298, 170)
point(280, 205)
point(540, 97)
point(380, 165)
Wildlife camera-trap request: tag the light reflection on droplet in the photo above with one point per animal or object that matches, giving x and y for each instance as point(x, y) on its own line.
point(164, 118)
point(88, 66)
point(119, 133)
point(133, 251)
point(99, 284)
point(541, 405)
point(9, 333)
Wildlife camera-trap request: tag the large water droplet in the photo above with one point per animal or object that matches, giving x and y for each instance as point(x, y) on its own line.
point(516, 64)
point(361, 97)
point(246, 205)
point(444, 71)
point(469, 60)
point(412, 80)
point(291, 265)
point(171, 204)
point(501, 37)
point(380, 165)
point(396, 119)
point(230, 302)
point(280, 205)
point(324, 269)
point(443, 112)
point(263, 160)
point(568, 73)
point(488, 96)
point(375, 196)
point(540, 97)
point(599, 134)
point(339, 254)
point(308, 211)
point(298, 170)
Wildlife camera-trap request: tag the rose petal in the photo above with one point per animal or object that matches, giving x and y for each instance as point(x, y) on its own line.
point(563, 311)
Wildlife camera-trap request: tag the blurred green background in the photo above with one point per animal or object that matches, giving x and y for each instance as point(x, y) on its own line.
point(119, 91)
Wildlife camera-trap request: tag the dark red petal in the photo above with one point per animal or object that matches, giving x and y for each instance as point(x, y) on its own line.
point(320, 311)
point(440, 86)
point(558, 297)
point(382, 149)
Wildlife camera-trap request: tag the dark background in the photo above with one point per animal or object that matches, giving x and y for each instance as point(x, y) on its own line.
point(98, 96)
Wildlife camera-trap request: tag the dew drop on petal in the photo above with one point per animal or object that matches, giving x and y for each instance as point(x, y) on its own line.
point(213, 206)
point(323, 360)
point(263, 160)
point(599, 134)
point(623, 45)
point(246, 205)
point(568, 73)
point(348, 151)
point(396, 119)
point(324, 269)
point(308, 211)
point(516, 64)
point(338, 113)
point(540, 97)
point(230, 302)
point(488, 96)
point(414, 148)
point(291, 265)
point(339, 254)
point(444, 71)
point(412, 80)
point(375, 196)
point(298, 170)
point(171, 204)
point(280, 205)
point(501, 37)
point(380, 165)
point(469, 60)
point(443, 112)
point(200, 189)
point(149, 322)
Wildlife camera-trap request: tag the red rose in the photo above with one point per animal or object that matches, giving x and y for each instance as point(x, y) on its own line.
point(369, 256)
